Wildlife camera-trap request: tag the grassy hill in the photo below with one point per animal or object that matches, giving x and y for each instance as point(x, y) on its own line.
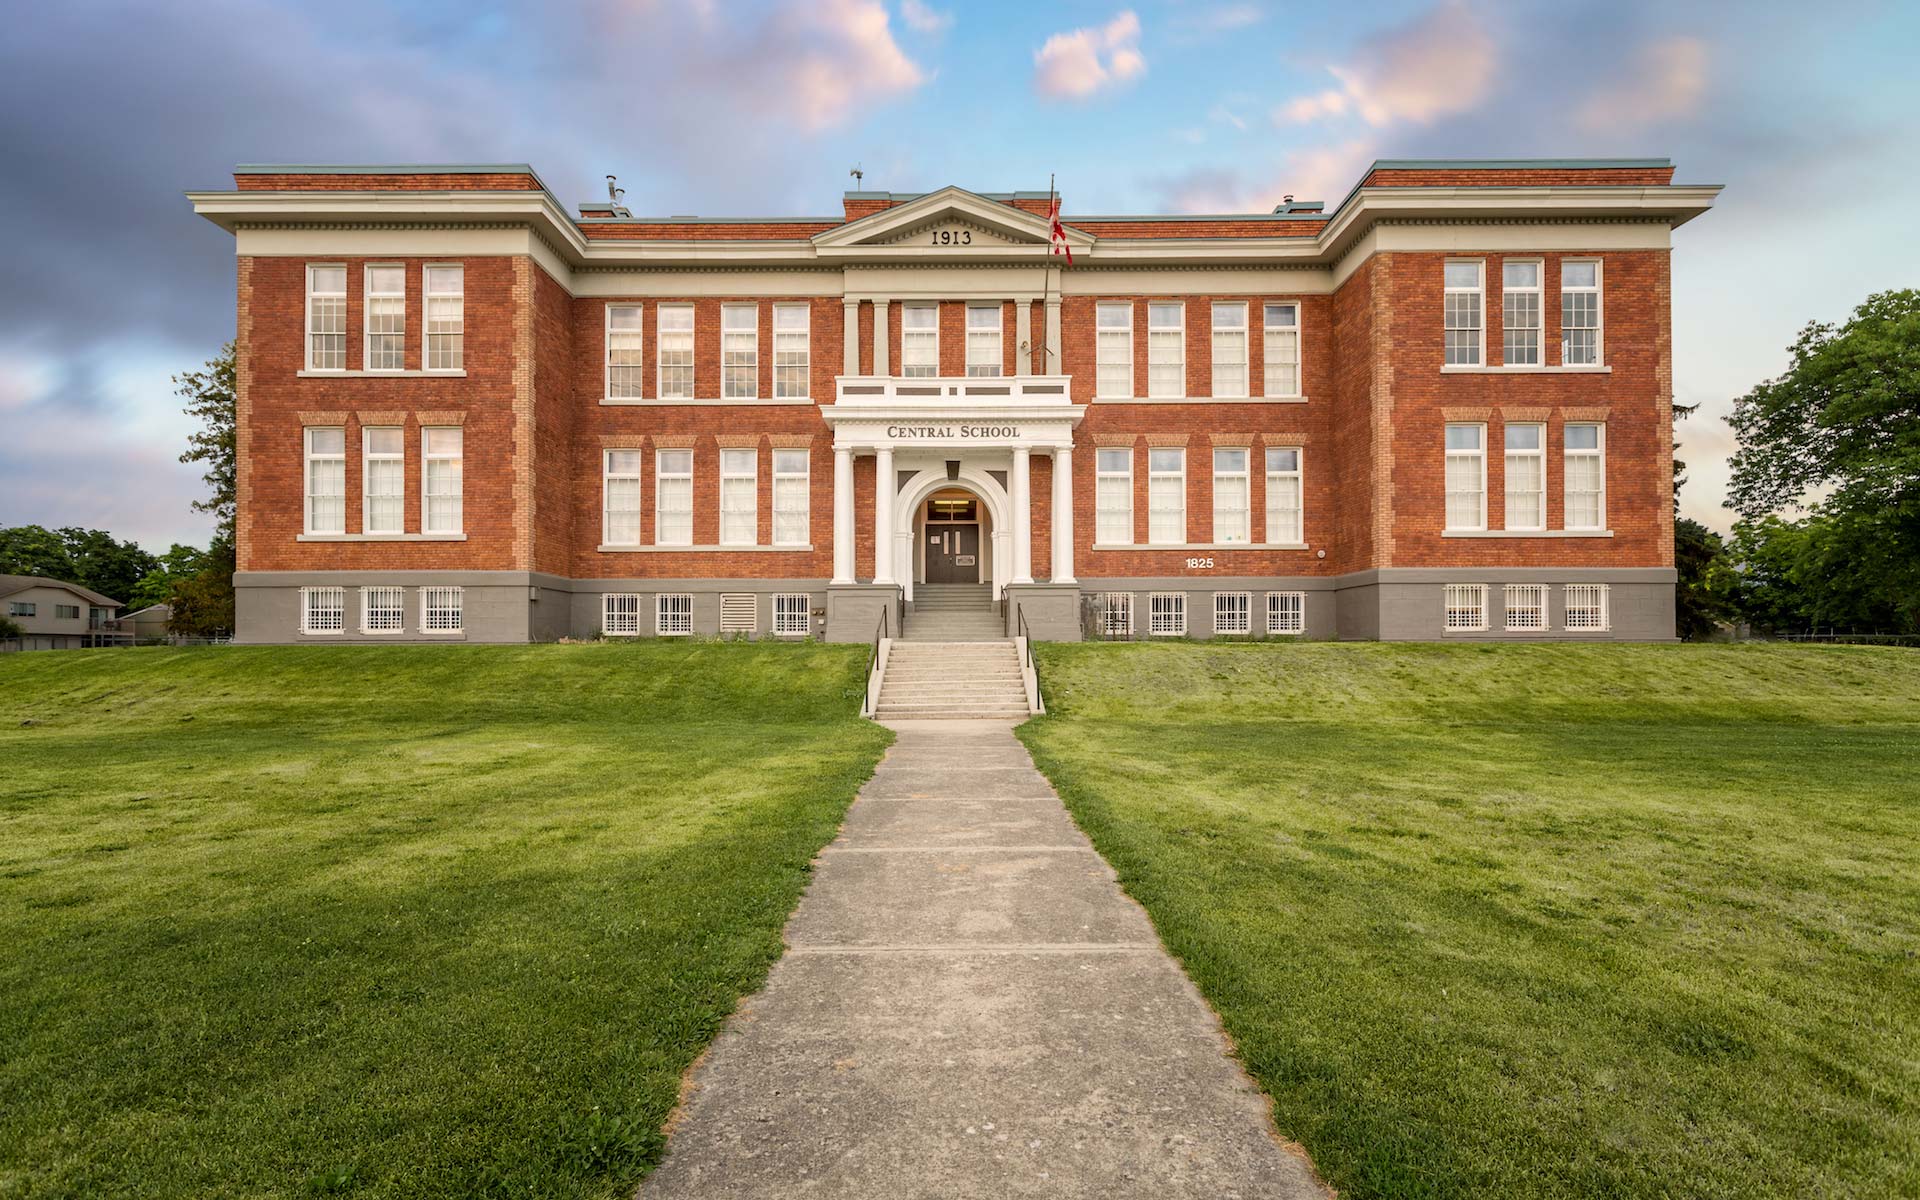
point(392, 921)
point(1532, 921)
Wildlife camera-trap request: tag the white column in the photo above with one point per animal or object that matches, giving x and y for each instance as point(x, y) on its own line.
point(1063, 514)
point(880, 352)
point(883, 549)
point(1055, 364)
point(1022, 517)
point(850, 310)
point(842, 514)
point(1023, 335)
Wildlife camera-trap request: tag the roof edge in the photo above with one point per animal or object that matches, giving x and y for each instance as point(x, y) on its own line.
point(1517, 164)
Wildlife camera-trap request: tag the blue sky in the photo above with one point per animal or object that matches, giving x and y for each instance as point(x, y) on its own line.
point(108, 112)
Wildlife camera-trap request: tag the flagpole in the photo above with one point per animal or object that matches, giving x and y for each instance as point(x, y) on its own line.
point(1046, 295)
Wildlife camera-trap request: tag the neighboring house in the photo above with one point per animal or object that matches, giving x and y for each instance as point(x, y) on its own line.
point(59, 616)
point(149, 624)
point(1441, 408)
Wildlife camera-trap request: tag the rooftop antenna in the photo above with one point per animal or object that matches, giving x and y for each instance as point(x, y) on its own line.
point(858, 176)
point(614, 192)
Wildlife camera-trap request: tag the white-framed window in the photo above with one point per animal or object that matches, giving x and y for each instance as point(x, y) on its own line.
point(1232, 495)
point(1285, 497)
point(792, 614)
point(1229, 349)
point(673, 498)
point(919, 341)
point(383, 478)
point(1166, 350)
point(1280, 348)
point(1116, 614)
point(1465, 303)
point(385, 314)
point(23, 608)
point(441, 610)
point(323, 609)
point(740, 351)
point(441, 471)
point(1585, 471)
point(1113, 496)
point(383, 609)
point(1580, 312)
point(792, 351)
point(1526, 606)
point(1526, 476)
point(326, 318)
point(791, 489)
point(675, 351)
point(1166, 496)
point(1587, 606)
point(1466, 477)
point(625, 372)
point(1167, 614)
point(326, 479)
point(66, 612)
point(739, 495)
point(1233, 612)
point(1466, 605)
point(673, 615)
point(1286, 612)
point(620, 497)
point(620, 614)
point(445, 289)
point(1113, 348)
point(983, 340)
point(1520, 312)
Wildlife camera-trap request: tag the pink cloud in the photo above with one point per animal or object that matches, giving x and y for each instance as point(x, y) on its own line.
point(1439, 64)
point(1076, 64)
point(1666, 80)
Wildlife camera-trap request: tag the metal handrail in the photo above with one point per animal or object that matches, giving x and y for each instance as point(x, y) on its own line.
point(1026, 636)
point(881, 632)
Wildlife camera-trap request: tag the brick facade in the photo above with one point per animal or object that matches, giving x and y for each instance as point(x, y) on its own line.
point(1369, 421)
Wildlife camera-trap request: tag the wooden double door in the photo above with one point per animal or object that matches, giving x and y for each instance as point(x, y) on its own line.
point(953, 552)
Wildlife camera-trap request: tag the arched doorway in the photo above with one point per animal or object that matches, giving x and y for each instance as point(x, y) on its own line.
point(993, 549)
point(954, 536)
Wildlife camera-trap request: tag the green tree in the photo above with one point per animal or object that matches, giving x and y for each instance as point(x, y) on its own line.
point(1837, 438)
point(212, 400)
point(176, 564)
point(1704, 593)
point(203, 601)
point(34, 550)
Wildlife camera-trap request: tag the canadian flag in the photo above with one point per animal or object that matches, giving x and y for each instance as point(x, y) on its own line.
point(1057, 233)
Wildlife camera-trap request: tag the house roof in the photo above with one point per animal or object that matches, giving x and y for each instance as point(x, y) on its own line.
point(9, 584)
point(163, 608)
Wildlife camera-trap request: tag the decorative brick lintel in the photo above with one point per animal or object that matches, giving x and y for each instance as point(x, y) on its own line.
point(675, 441)
point(1592, 412)
point(737, 441)
point(382, 417)
point(1230, 440)
point(323, 418)
point(790, 441)
point(1539, 413)
point(440, 417)
point(623, 441)
point(1284, 439)
point(1467, 414)
point(1115, 439)
point(1166, 439)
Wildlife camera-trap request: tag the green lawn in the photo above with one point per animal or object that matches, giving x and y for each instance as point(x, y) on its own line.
point(1532, 921)
point(392, 921)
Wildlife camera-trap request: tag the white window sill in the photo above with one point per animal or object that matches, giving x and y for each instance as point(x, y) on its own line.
point(381, 537)
point(1181, 547)
point(1461, 370)
point(654, 402)
point(443, 633)
point(1199, 399)
point(323, 633)
point(361, 374)
point(1527, 533)
point(606, 549)
point(381, 632)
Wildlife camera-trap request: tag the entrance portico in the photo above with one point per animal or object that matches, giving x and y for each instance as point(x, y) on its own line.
point(978, 435)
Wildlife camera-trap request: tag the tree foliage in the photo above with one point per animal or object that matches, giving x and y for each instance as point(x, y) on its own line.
point(213, 401)
point(1836, 438)
point(92, 558)
point(1706, 588)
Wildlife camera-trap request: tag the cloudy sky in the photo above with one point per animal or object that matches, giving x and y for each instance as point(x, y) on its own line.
point(108, 112)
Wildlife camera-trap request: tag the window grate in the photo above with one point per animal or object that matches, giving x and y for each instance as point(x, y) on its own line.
point(1526, 606)
point(673, 615)
point(1466, 606)
point(620, 614)
point(383, 609)
point(1116, 614)
point(1286, 612)
point(1233, 612)
point(792, 614)
point(323, 609)
point(1587, 606)
point(440, 610)
point(1167, 614)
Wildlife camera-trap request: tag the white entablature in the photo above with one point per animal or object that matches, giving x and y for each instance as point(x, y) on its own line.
point(1032, 411)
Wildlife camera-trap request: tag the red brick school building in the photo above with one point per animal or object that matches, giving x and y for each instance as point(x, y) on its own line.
point(1438, 408)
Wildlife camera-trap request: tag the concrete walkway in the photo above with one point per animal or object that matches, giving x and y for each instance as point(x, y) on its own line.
point(969, 1006)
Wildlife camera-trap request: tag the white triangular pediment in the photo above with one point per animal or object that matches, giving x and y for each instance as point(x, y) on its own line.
point(951, 218)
